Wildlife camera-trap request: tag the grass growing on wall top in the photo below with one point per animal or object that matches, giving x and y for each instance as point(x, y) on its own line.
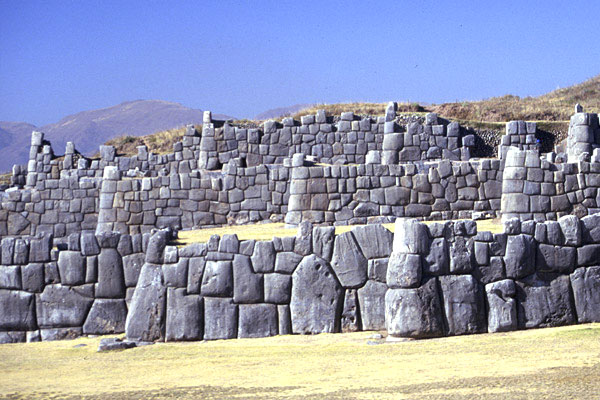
point(267, 231)
point(560, 363)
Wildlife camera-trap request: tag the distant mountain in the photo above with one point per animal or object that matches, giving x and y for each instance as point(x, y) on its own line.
point(90, 129)
point(281, 112)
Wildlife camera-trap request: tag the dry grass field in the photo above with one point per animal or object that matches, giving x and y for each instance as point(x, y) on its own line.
point(267, 231)
point(552, 363)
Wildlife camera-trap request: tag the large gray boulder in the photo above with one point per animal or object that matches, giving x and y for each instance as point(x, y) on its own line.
point(71, 267)
point(556, 259)
point(217, 280)
point(111, 281)
point(106, 316)
point(350, 320)
point(404, 270)
point(502, 306)
point(371, 299)
point(17, 311)
point(185, 316)
point(410, 236)
point(543, 304)
point(586, 292)
point(437, 261)
point(196, 267)
point(461, 258)
point(132, 265)
point(316, 296)
point(375, 241)
point(263, 257)
point(519, 259)
point(145, 320)
point(287, 261)
point(220, 318)
point(463, 304)
point(248, 286)
point(415, 313)
point(258, 320)
point(278, 288)
point(348, 261)
point(62, 306)
point(323, 240)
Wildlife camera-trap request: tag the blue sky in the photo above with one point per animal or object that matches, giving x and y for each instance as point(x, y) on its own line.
point(243, 57)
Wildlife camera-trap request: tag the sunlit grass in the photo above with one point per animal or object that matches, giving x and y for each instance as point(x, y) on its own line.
point(267, 231)
point(544, 363)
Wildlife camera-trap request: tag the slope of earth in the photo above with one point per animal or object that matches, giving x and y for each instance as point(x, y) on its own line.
point(281, 112)
point(15, 138)
point(557, 363)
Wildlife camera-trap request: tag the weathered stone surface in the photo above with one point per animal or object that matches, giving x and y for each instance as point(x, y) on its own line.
point(220, 318)
point(68, 333)
point(350, 321)
point(62, 306)
point(17, 311)
point(415, 313)
point(10, 277)
point(278, 288)
point(176, 274)
point(196, 267)
point(110, 344)
point(437, 261)
point(556, 258)
point(248, 286)
point(461, 260)
point(32, 277)
point(185, 316)
point(323, 241)
point(502, 306)
point(492, 272)
point(371, 298)
point(410, 236)
point(348, 262)
point(519, 259)
point(258, 320)
point(375, 241)
point(12, 337)
point(106, 316)
point(463, 304)
point(586, 292)
point(542, 304)
point(316, 297)
point(145, 320)
point(285, 319)
point(588, 255)
point(88, 244)
point(287, 261)
point(404, 270)
point(303, 242)
point(263, 257)
point(111, 281)
point(132, 265)
point(571, 229)
point(71, 267)
point(156, 247)
point(217, 280)
point(39, 248)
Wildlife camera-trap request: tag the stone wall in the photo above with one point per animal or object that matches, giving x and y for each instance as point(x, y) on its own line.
point(356, 194)
point(533, 187)
point(423, 281)
point(584, 135)
point(447, 279)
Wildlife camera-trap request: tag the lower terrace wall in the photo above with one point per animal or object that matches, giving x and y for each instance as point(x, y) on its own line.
point(423, 281)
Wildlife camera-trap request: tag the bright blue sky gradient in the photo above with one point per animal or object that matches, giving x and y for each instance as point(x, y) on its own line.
point(243, 57)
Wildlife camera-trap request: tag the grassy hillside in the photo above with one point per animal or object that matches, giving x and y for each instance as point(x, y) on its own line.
point(551, 110)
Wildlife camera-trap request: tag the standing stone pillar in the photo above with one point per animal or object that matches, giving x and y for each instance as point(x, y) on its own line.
point(584, 135)
point(107, 214)
point(37, 139)
point(208, 157)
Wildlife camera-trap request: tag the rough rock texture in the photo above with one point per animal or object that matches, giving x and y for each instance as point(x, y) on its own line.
point(348, 262)
point(463, 304)
point(106, 316)
point(184, 316)
point(586, 293)
point(62, 306)
point(220, 318)
point(316, 297)
point(145, 320)
point(371, 298)
point(258, 320)
point(17, 311)
point(542, 304)
point(502, 306)
point(415, 313)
